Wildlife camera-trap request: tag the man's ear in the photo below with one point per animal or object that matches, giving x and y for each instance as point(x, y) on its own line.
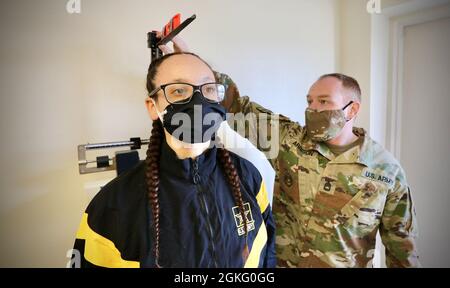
point(354, 110)
point(151, 109)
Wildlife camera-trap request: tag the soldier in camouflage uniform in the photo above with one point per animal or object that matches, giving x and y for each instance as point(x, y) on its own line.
point(330, 201)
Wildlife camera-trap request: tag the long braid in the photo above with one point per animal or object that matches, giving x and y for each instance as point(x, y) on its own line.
point(234, 182)
point(152, 179)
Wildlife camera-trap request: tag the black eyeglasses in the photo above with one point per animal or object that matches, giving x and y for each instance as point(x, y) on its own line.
point(181, 93)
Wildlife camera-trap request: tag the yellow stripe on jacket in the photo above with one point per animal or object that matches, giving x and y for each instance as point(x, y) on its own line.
point(261, 237)
point(262, 198)
point(258, 245)
point(99, 250)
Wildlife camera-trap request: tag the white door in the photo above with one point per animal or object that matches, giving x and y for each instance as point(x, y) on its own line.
point(425, 135)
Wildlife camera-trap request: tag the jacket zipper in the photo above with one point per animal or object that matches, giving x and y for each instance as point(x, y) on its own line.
point(205, 209)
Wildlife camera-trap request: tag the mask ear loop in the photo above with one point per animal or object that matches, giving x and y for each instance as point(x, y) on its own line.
point(160, 114)
point(345, 107)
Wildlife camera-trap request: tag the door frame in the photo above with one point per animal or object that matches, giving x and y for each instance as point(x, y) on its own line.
point(386, 74)
point(388, 30)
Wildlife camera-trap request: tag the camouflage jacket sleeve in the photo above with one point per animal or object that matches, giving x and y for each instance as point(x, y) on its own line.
point(398, 227)
point(265, 129)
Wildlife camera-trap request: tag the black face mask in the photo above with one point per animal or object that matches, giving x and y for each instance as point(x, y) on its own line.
point(193, 122)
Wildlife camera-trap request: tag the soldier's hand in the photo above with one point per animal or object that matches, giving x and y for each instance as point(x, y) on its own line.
point(178, 45)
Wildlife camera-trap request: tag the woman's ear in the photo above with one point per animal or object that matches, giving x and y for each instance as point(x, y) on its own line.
point(151, 108)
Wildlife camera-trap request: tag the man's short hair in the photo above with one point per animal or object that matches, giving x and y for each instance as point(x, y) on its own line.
point(347, 82)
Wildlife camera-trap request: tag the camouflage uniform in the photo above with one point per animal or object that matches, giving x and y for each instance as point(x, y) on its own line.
point(328, 209)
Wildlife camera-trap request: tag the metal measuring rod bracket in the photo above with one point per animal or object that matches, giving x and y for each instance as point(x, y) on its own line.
point(170, 30)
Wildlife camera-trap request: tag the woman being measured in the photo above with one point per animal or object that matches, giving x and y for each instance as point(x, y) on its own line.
point(190, 203)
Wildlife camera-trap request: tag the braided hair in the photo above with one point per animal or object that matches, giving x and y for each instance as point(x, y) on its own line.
point(152, 168)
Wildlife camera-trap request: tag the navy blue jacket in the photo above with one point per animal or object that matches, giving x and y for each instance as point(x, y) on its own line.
point(200, 224)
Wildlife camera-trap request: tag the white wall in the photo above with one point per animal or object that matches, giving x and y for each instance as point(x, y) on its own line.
point(72, 79)
point(361, 43)
point(269, 48)
point(355, 50)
